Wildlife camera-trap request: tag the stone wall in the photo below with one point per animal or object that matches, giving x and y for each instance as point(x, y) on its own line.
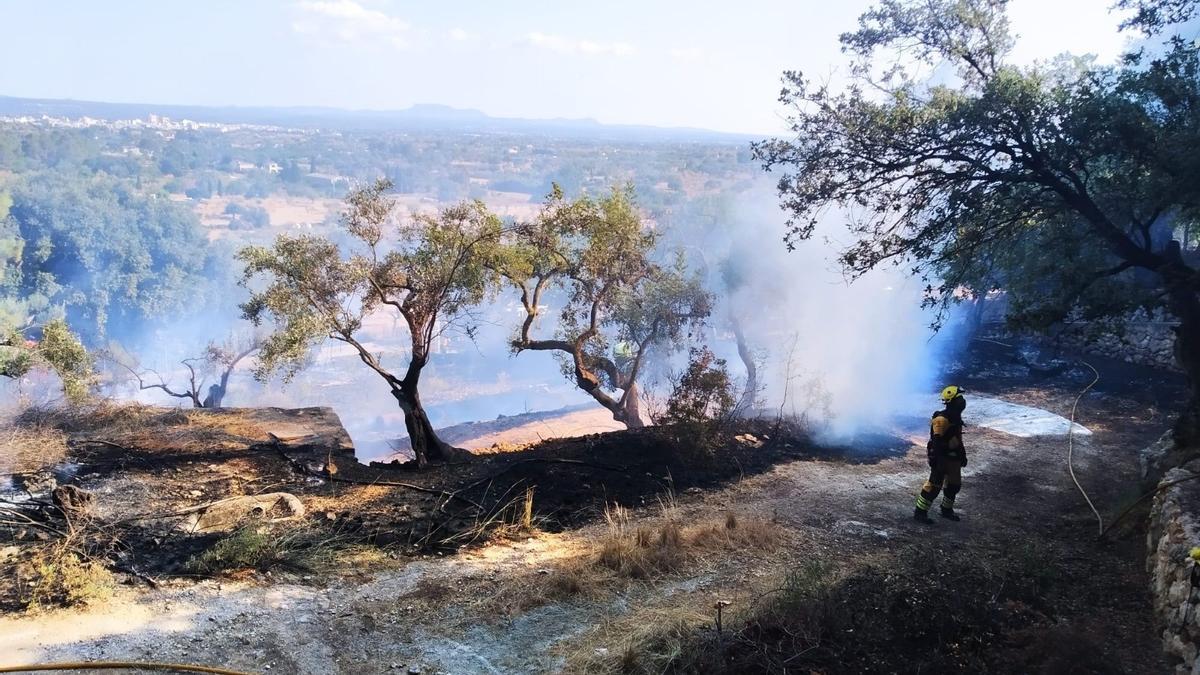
point(1149, 343)
point(1174, 531)
point(1146, 338)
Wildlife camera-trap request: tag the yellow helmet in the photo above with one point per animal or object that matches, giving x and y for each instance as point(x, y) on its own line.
point(950, 393)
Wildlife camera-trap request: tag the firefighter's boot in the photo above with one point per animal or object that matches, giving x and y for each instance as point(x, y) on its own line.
point(948, 502)
point(922, 516)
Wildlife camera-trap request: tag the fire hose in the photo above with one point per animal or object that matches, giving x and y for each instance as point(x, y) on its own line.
point(126, 665)
point(1071, 446)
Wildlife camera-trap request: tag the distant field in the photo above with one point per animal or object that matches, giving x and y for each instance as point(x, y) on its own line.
point(284, 210)
point(290, 212)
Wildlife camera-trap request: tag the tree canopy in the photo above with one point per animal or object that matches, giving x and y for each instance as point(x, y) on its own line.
point(618, 302)
point(955, 174)
point(113, 258)
point(430, 271)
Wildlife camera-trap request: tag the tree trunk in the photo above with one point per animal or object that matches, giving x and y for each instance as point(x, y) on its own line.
point(750, 393)
point(216, 392)
point(977, 313)
point(631, 412)
point(426, 445)
point(215, 398)
point(1185, 305)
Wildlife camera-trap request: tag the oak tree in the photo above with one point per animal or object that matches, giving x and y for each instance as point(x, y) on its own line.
point(988, 158)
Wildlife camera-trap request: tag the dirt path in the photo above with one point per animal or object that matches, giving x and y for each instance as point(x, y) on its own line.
point(449, 614)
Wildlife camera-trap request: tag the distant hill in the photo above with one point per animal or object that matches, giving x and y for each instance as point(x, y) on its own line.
point(427, 117)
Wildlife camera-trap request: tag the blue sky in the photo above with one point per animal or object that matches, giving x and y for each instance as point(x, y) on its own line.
point(697, 63)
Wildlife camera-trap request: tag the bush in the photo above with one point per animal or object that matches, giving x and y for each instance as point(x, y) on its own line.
point(260, 548)
point(701, 402)
point(246, 548)
point(58, 577)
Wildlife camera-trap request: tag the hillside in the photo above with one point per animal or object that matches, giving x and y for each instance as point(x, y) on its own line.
point(1019, 584)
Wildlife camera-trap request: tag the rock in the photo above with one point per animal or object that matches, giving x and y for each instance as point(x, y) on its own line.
point(1174, 530)
point(229, 513)
point(749, 440)
point(72, 500)
point(1151, 458)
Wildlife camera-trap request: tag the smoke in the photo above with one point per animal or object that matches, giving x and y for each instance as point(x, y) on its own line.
point(843, 355)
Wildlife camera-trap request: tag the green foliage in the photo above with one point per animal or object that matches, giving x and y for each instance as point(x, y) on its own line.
point(1052, 182)
point(250, 547)
point(247, 216)
point(1155, 16)
point(60, 578)
point(701, 401)
point(113, 257)
point(261, 548)
point(431, 272)
point(598, 255)
point(58, 349)
point(62, 351)
point(702, 392)
point(428, 270)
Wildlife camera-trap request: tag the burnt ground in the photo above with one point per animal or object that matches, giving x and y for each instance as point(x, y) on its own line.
point(145, 464)
point(1021, 585)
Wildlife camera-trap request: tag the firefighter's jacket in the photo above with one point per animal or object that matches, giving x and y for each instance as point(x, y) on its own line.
point(945, 436)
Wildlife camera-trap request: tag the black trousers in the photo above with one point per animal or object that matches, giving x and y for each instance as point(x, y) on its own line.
point(945, 473)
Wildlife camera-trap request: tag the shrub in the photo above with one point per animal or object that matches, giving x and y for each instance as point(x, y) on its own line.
point(58, 577)
point(260, 548)
point(701, 402)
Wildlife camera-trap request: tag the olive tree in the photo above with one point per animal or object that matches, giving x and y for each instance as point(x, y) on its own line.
point(51, 346)
point(430, 272)
point(596, 256)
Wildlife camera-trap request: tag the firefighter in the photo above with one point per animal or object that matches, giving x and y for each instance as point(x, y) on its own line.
point(947, 457)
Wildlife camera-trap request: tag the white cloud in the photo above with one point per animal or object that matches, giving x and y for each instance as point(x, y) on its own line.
point(563, 45)
point(459, 35)
point(349, 21)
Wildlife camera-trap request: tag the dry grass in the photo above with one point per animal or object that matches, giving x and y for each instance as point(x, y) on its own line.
point(148, 427)
point(194, 430)
point(682, 636)
point(515, 518)
point(737, 533)
point(656, 640)
point(55, 575)
point(101, 414)
point(24, 449)
point(121, 416)
point(641, 551)
point(631, 551)
point(574, 580)
point(645, 550)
